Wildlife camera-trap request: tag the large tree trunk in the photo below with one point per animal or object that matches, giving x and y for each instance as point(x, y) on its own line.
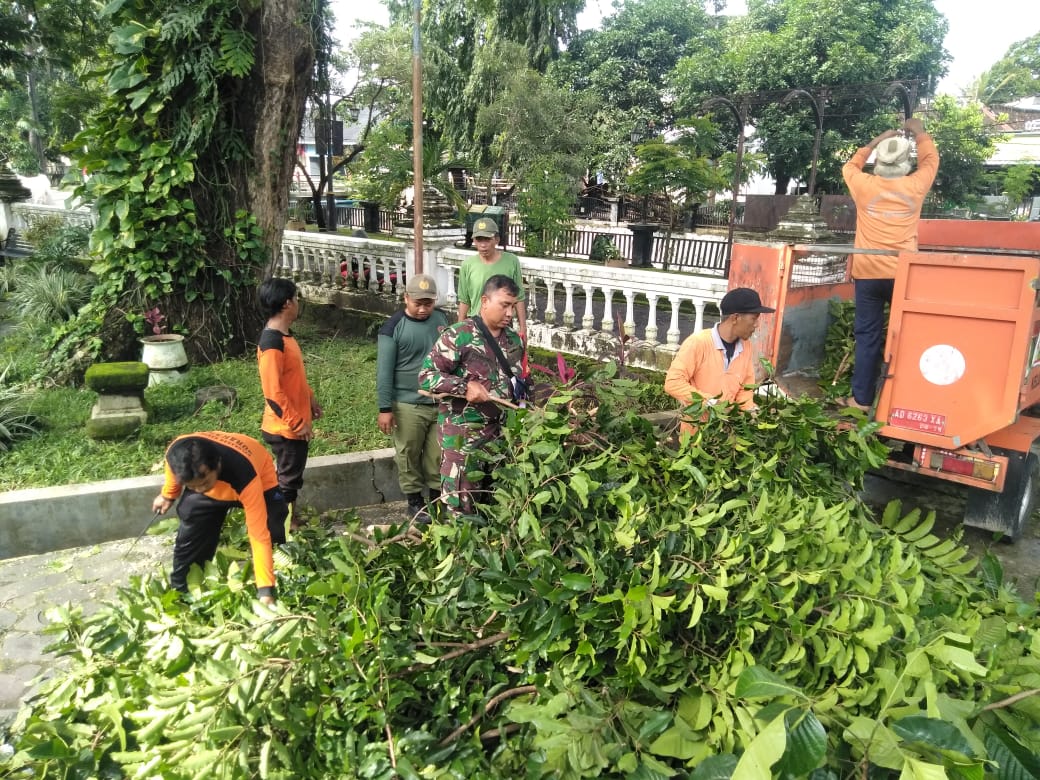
point(273, 110)
point(268, 108)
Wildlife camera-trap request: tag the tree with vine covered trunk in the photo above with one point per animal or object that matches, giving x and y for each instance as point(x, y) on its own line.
point(188, 163)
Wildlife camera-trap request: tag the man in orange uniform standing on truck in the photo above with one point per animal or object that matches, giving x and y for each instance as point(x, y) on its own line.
point(717, 364)
point(290, 406)
point(213, 472)
point(888, 208)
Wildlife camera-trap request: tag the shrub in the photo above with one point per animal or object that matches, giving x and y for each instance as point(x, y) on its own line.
point(603, 249)
point(16, 422)
point(49, 293)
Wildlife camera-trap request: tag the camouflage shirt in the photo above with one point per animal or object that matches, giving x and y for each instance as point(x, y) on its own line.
point(462, 355)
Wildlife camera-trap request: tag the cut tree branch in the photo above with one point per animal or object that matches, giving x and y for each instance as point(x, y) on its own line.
point(492, 703)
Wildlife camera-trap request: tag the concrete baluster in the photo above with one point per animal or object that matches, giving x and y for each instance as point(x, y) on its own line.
point(630, 312)
point(607, 323)
point(588, 319)
point(651, 322)
point(328, 261)
point(568, 306)
point(549, 316)
point(673, 326)
point(531, 302)
point(698, 320)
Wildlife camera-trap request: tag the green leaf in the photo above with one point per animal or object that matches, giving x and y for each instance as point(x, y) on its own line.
point(933, 732)
point(957, 657)
point(757, 681)
point(878, 742)
point(919, 770)
point(574, 581)
point(765, 750)
point(1014, 761)
point(806, 743)
point(720, 767)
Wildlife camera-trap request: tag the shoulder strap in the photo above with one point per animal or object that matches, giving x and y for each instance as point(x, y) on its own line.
point(493, 342)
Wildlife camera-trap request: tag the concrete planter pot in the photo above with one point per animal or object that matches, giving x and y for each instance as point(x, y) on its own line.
point(165, 357)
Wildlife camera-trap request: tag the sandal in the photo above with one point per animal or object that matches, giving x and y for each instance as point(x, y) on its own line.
point(852, 403)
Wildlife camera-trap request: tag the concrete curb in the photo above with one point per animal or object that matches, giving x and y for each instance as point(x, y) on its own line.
point(40, 520)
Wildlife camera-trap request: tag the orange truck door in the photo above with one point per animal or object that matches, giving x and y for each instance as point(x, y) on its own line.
point(962, 347)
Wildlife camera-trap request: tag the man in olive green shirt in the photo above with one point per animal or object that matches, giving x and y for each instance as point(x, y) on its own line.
point(490, 261)
point(410, 418)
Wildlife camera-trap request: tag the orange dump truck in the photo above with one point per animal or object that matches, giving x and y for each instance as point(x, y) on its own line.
point(960, 385)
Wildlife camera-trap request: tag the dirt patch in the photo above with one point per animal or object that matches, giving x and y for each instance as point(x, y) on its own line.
point(947, 499)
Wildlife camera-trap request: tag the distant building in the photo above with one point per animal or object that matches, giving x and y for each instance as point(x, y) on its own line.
point(309, 149)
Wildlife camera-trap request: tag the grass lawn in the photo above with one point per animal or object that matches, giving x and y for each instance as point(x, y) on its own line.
point(340, 369)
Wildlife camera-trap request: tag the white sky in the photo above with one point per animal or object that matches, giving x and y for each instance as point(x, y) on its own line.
point(979, 34)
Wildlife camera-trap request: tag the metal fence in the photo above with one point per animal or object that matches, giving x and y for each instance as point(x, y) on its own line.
point(676, 253)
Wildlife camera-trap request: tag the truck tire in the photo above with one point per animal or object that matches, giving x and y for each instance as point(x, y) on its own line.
point(1009, 511)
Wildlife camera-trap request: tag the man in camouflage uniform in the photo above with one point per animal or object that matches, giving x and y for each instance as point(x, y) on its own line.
point(462, 368)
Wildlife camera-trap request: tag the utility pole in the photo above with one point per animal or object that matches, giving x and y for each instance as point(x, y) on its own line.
point(417, 135)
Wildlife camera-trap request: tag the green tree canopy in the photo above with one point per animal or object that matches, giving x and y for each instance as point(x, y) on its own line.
point(189, 160)
point(47, 50)
point(623, 67)
point(459, 37)
point(533, 123)
point(964, 145)
point(852, 51)
point(679, 168)
point(1015, 75)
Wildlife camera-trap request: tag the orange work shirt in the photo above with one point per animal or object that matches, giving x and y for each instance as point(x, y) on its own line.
point(700, 369)
point(888, 210)
point(246, 471)
point(287, 396)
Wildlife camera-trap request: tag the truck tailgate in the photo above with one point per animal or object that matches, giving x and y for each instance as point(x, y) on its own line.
point(961, 354)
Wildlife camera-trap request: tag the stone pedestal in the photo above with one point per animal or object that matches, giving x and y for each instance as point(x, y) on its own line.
point(803, 224)
point(119, 411)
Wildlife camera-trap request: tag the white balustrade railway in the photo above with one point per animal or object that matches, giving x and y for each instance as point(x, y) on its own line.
point(321, 260)
point(27, 214)
point(324, 264)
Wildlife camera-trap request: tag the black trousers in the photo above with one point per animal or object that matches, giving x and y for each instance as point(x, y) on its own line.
point(202, 519)
point(290, 459)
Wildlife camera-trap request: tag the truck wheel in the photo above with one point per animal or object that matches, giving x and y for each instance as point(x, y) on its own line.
point(1009, 511)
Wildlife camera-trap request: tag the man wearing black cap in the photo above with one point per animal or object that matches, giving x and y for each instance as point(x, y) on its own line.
point(717, 364)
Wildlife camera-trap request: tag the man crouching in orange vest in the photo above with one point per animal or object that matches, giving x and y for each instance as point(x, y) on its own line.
point(717, 364)
point(216, 472)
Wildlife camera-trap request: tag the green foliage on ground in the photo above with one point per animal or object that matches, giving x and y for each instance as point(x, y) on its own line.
point(839, 349)
point(624, 610)
point(341, 371)
point(16, 421)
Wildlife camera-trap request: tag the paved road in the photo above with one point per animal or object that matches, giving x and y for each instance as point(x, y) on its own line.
point(32, 585)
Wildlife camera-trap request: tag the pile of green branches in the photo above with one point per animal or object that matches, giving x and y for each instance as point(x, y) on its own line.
point(622, 610)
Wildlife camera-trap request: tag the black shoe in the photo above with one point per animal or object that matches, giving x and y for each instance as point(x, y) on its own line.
point(417, 509)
